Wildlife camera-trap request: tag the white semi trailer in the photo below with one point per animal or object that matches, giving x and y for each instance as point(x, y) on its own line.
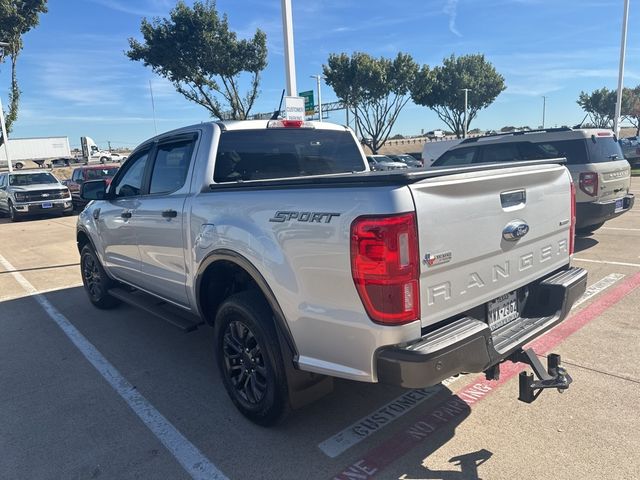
point(37, 149)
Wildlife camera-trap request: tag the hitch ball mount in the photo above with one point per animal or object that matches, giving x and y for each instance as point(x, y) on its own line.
point(554, 376)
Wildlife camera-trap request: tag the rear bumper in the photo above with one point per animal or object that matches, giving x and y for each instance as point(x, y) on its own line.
point(593, 213)
point(468, 345)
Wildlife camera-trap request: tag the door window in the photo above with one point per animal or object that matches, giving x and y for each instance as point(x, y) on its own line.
point(2, 177)
point(171, 166)
point(130, 183)
point(77, 176)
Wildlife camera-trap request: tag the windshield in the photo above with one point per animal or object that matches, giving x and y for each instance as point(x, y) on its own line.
point(97, 173)
point(281, 153)
point(31, 179)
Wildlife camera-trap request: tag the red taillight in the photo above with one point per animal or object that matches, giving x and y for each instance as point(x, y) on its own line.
point(572, 229)
point(385, 267)
point(589, 183)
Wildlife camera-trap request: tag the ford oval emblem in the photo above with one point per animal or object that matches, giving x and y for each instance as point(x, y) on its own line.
point(515, 230)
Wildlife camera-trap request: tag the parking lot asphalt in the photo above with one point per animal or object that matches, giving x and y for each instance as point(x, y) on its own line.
point(62, 418)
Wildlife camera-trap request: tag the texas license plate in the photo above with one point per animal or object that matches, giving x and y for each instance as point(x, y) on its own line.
point(619, 205)
point(502, 310)
point(47, 205)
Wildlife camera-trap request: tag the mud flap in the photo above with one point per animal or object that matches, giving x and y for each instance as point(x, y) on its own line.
point(304, 387)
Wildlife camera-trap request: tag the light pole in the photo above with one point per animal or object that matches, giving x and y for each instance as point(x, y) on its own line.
point(318, 77)
point(289, 56)
point(623, 51)
point(5, 137)
point(544, 109)
point(466, 104)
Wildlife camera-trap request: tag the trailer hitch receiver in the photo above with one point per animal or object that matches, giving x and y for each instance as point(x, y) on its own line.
point(554, 376)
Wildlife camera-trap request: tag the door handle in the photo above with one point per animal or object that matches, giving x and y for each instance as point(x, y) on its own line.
point(125, 214)
point(169, 213)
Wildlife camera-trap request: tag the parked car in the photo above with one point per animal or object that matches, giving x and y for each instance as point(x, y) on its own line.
point(85, 173)
point(408, 160)
point(601, 175)
point(33, 192)
point(631, 150)
point(384, 163)
point(308, 266)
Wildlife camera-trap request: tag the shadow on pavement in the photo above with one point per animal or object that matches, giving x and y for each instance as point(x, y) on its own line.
point(585, 242)
point(468, 464)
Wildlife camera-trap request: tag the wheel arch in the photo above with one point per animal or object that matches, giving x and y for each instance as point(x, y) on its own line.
point(223, 266)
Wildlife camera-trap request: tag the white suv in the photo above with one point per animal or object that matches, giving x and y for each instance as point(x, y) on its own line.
point(600, 173)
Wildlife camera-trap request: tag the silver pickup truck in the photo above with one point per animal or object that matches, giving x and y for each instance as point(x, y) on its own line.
point(309, 266)
point(33, 192)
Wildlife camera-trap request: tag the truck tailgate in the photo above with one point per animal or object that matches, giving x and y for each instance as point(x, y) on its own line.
point(465, 259)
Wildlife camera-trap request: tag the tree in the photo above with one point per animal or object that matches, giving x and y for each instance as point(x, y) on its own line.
point(600, 105)
point(631, 106)
point(196, 51)
point(17, 17)
point(440, 89)
point(375, 89)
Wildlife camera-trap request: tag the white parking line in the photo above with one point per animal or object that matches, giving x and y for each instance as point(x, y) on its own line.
point(192, 460)
point(622, 229)
point(392, 411)
point(608, 262)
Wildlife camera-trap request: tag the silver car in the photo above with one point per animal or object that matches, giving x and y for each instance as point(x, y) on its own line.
point(384, 163)
point(33, 192)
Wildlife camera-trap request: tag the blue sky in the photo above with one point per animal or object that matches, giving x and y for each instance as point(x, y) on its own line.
point(77, 81)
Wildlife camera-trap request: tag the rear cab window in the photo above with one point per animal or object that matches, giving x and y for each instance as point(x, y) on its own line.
point(263, 154)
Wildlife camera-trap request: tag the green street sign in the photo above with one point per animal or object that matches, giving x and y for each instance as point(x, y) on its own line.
point(309, 106)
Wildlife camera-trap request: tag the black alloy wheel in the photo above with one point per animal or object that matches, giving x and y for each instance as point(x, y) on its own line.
point(244, 362)
point(95, 280)
point(249, 358)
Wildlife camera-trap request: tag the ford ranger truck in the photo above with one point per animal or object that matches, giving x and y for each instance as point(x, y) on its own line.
point(308, 266)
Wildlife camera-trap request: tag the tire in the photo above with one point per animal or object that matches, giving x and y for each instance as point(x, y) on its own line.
point(95, 280)
point(589, 229)
point(249, 358)
point(19, 165)
point(14, 216)
point(104, 160)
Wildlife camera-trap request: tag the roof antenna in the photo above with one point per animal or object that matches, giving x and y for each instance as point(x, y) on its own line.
point(276, 113)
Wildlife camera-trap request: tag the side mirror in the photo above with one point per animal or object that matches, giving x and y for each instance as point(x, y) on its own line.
point(93, 190)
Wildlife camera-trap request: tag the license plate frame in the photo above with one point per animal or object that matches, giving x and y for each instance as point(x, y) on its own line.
point(619, 205)
point(46, 205)
point(503, 310)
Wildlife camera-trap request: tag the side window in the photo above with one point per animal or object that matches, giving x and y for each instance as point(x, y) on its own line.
point(2, 177)
point(463, 156)
point(530, 151)
point(575, 151)
point(130, 184)
point(77, 176)
point(506, 152)
point(171, 166)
